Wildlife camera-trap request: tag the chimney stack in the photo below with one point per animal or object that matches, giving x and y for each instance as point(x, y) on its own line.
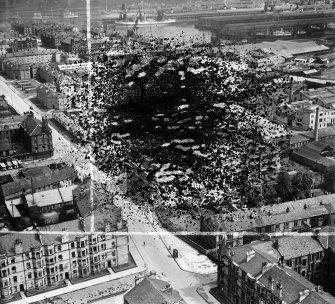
point(280, 287)
point(316, 126)
point(303, 294)
point(272, 281)
point(250, 255)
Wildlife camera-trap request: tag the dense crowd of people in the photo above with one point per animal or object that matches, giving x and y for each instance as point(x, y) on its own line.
point(189, 128)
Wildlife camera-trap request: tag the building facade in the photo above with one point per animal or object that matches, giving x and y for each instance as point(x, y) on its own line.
point(17, 71)
point(31, 57)
point(27, 44)
point(294, 216)
point(52, 99)
point(246, 276)
point(41, 259)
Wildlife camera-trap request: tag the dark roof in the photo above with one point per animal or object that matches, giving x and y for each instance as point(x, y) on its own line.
point(34, 171)
point(28, 241)
point(323, 132)
point(151, 291)
point(33, 126)
point(242, 220)
point(102, 200)
point(5, 145)
point(318, 146)
point(308, 153)
point(299, 138)
point(38, 181)
point(5, 179)
point(296, 246)
point(327, 237)
point(292, 285)
point(255, 264)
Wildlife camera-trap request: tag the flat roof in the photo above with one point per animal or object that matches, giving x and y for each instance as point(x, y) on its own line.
point(50, 197)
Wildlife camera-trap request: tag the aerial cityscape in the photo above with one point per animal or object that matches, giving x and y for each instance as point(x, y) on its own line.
point(167, 152)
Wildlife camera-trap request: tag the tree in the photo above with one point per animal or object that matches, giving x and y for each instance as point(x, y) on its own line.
point(284, 186)
point(301, 184)
point(329, 179)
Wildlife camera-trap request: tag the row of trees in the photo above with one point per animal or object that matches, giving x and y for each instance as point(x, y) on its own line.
point(296, 187)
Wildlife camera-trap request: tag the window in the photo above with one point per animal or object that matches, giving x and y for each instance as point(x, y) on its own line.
point(73, 254)
point(61, 267)
point(50, 251)
point(59, 248)
point(72, 245)
point(28, 266)
point(13, 269)
point(29, 275)
point(60, 257)
point(15, 279)
point(295, 223)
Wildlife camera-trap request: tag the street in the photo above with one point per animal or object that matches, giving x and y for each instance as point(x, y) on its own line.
point(159, 259)
point(154, 252)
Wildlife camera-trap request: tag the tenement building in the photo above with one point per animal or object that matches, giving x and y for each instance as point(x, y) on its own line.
point(248, 276)
point(301, 215)
point(26, 44)
point(43, 258)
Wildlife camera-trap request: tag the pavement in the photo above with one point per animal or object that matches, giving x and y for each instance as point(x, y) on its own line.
point(189, 259)
point(155, 252)
point(203, 291)
point(158, 257)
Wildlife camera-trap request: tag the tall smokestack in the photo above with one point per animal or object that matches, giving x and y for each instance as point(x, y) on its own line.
point(316, 127)
point(291, 90)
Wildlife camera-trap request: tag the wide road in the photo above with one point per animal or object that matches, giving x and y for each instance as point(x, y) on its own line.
point(63, 148)
point(154, 252)
point(158, 258)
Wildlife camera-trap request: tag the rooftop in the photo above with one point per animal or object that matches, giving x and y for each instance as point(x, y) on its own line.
point(290, 246)
point(242, 220)
point(152, 291)
point(37, 179)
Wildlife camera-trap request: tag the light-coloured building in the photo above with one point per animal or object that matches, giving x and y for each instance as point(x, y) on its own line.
point(48, 96)
point(44, 258)
point(44, 201)
point(305, 115)
point(31, 57)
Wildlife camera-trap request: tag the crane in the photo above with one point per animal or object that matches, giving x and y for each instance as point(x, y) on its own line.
point(133, 31)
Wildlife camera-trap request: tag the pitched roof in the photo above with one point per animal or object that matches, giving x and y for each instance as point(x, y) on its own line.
point(255, 264)
point(292, 285)
point(291, 246)
point(273, 214)
point(38, 181)
point(33, 126)
point(152, 291)
point(28, 241)
point(35, 171)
